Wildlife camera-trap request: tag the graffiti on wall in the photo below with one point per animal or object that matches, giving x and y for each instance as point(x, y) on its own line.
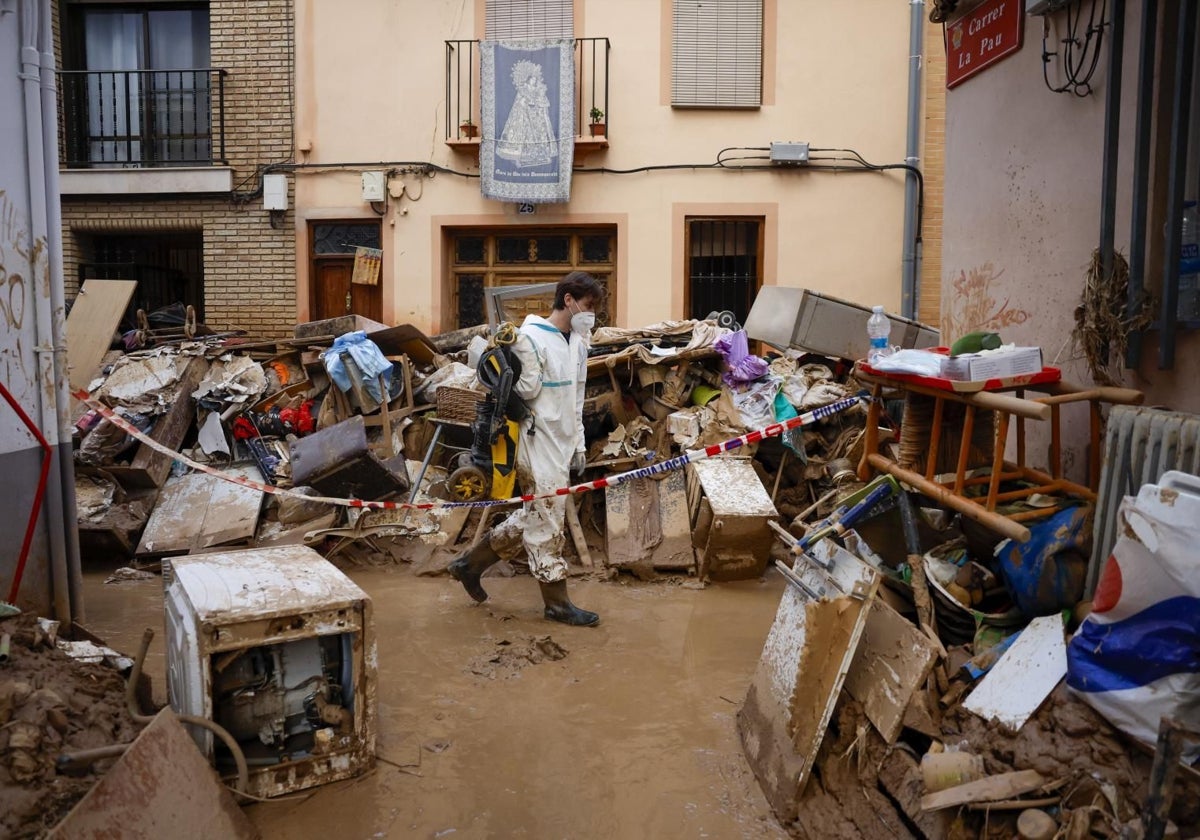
point(978, 302)
point(21, 262)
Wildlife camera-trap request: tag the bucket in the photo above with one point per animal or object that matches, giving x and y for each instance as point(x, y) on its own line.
point(704, 394)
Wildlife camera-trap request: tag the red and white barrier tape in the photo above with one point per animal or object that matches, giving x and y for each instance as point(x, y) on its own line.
point(678, 462)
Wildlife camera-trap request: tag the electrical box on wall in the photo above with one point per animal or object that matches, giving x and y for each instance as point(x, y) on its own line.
point(788, 153)
point(275, 191)
point(373, 186)
point(277, 646)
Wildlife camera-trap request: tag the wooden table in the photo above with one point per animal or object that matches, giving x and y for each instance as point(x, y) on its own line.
point(1007, 403)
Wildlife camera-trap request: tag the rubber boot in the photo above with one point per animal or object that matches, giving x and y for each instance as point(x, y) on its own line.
point(469, 567)
point(559, 607)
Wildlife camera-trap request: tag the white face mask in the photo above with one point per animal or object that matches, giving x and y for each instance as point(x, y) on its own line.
point(582, 322)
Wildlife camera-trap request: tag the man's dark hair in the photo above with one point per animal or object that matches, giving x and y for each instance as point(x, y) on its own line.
point(579, 285)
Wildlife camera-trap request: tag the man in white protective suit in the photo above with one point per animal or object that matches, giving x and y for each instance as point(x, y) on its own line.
point(552, 352)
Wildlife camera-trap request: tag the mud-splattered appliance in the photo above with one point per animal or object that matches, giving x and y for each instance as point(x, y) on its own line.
point(277, 646)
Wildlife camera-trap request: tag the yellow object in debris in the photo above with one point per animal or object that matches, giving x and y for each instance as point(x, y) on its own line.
point(504, 461)
point(704, 394)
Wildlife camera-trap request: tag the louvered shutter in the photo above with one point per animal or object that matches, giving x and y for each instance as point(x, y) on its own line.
point(716, 55)
point(530, 19)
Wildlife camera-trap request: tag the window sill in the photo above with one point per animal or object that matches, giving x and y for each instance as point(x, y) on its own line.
point(147, 181)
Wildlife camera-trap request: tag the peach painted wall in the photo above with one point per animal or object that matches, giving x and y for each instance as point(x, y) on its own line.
point(371, 88)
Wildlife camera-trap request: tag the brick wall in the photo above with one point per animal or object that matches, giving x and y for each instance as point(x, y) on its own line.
point(249, 267)
point(933, 168)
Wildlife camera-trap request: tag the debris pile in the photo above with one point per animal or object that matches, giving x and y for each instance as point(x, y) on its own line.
point(354, 409)
point(52, 703)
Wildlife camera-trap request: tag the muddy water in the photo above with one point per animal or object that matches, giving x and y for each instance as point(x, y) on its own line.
point(631, 734)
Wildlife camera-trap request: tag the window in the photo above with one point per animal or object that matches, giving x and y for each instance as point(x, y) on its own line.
point(724, 265)
point(717, 53)
point(168, 268)
point(524, 256)
point(509, 19)
point(140, 92)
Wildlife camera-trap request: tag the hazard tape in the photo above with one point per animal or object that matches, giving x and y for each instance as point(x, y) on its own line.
point(678, 462)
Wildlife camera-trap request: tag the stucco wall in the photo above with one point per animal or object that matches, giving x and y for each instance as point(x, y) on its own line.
point(371, 87)
point(1022, 217)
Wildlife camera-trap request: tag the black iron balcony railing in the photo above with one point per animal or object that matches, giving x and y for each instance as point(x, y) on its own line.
point(134, 118)
point(591, 88)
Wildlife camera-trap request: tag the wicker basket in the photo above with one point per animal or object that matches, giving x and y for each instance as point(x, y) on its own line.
point(458, 404)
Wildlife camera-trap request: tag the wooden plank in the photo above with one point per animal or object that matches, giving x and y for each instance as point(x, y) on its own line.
point(150, 468)
point(991, 789)
point(894, 659)
point(799, 676)
point(94, 319)
point(198, 510)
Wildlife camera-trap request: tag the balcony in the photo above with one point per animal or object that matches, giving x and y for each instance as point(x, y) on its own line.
point(143, 131)
point(463, 87)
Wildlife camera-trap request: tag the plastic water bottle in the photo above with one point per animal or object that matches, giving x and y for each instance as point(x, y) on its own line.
point(1187, 307)
point(879, 328)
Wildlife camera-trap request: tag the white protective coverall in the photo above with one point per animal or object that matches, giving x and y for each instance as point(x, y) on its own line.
point(553, 376)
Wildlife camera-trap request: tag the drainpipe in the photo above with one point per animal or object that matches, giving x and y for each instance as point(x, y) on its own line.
point(58, 311)
point(910, 275)
point(44, 348)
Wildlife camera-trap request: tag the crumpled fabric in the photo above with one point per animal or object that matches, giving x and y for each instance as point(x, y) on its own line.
point(366, 355)
point(742, 366)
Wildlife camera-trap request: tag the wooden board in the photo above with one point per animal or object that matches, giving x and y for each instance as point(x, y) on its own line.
point(648, 524)
point(991, 789)
point(1024, 675)
point(198, 511)
point(894, 659)
point(94, 319)
point(799, 676)
point(150, 468)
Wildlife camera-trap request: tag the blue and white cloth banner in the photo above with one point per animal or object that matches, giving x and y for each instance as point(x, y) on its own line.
point(1136, 658)
point(527, 102)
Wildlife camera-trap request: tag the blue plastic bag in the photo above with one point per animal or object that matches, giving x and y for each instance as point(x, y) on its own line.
point(367, 357)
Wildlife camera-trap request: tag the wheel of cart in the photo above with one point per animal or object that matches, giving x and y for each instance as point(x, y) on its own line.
point(467, 482)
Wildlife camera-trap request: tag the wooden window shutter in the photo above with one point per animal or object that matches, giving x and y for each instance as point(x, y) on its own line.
point(507, 19)
point(716, 53)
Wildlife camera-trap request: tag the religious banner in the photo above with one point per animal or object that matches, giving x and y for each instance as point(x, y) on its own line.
point(527, 101)
point(366, 266)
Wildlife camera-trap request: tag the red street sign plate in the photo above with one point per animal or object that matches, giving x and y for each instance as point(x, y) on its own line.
point(982, 37)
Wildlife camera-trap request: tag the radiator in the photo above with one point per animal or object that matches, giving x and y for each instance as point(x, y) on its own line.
point(1139, 446)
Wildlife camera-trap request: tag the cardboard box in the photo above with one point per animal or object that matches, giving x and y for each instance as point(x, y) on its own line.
point(979, 367)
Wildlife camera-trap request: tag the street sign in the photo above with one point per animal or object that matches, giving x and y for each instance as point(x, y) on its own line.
point(982, 37)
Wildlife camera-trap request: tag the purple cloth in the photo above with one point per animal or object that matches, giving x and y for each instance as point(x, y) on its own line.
point(742, 366)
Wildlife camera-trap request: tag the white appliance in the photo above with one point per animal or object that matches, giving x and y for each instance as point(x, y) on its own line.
point(278, 647)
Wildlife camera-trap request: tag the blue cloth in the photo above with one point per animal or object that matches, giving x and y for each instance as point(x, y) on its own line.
point(527, 101)
point(367, 357)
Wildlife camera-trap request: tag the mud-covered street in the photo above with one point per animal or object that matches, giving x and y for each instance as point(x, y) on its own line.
point(630, 734)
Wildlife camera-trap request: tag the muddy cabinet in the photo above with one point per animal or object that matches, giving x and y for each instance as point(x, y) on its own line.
point(730, 511)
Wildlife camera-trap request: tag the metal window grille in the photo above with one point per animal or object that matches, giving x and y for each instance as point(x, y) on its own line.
point(722, 266)
point(716, 53)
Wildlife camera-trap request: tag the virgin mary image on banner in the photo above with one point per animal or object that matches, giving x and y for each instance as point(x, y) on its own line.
point(528, 108)
point(528, 138)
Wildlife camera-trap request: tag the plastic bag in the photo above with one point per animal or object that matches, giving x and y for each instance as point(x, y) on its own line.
point(1136, 657)
point(366, 355)
point(742, 366)
point(917, 362)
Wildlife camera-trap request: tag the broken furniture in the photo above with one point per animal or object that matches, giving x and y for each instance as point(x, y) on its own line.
point(338, 462)
point(198, 511)
point(277, 646)
point(821, 618)
point(730, 512)
point(91, 325)
point(936, 397)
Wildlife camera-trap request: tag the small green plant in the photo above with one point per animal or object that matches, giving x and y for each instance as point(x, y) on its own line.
point(596, 114)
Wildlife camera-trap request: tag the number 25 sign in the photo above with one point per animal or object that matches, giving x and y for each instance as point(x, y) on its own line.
point(982, 37)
